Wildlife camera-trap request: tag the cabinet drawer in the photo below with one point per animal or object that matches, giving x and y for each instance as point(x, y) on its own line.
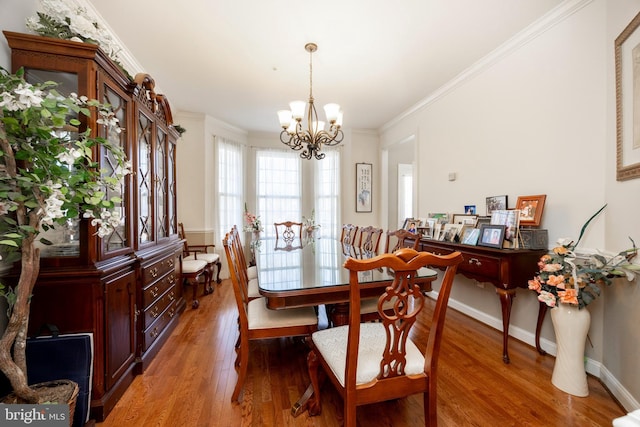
point(151, 293)
point(157, 308)
point(155, 330)
point(480, 266)
point(153, 271)
point(436, 249)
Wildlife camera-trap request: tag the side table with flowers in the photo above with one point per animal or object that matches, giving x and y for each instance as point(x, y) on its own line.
point(568, 282)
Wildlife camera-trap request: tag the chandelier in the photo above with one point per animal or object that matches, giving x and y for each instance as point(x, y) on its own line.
point(311, 139)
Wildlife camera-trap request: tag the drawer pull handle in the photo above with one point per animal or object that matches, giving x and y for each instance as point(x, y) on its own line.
point(475, 261)
point(154, 272)
point(154, 312)
point(172, 279)
point(154, 292)
point(154, 333)
point(170, 262)
point(171, 314)
point(171, 296)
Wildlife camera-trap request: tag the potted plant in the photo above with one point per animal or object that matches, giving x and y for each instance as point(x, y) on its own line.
point(47, 177)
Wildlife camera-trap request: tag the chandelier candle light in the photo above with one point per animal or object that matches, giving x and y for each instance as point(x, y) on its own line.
point(314, 137)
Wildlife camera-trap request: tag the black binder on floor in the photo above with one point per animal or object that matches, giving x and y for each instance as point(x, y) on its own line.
point(67, 357)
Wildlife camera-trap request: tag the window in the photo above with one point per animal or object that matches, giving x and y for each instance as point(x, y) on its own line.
point(278, 187)
point(327, 194)
point(230, 186)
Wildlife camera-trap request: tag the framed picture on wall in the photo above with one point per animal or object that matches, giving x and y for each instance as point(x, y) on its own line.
point(627, 57)
point(363, 187)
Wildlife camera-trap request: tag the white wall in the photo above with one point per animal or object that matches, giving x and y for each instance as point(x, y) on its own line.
point(536, 117)
point(622, 314)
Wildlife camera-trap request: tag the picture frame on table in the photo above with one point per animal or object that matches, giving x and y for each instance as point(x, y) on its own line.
point(442, 218)
point(364, 183)
point(470, 236)
point(495, 203)
point(470, 209)
point(451, 232)
point(465, 219)
point(531, 208)
point(491, 235)
point(627, 101)
point(411, 225)
point(510, 218)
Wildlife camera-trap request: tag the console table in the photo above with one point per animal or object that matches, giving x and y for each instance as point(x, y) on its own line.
point(506, 269)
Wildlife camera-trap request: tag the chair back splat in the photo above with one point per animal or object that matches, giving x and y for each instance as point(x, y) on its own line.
point(370, 239)
point(348, 235)
point(374, 362)
point(401, 239)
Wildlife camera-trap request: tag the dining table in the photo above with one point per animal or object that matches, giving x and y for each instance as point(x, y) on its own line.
point(309, 272)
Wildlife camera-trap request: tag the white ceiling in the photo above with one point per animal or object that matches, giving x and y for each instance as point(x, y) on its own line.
point(242, 60)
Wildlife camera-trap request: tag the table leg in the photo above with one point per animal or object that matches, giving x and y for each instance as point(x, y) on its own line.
point(301, 405)
point(542, 311)
point(506, 300)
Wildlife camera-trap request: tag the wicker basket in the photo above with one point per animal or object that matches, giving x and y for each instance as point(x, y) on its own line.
point(50, 391)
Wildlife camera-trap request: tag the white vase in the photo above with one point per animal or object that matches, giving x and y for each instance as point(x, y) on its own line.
point(571, 326)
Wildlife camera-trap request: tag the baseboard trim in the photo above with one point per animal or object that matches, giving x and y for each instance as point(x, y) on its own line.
point(592, 367)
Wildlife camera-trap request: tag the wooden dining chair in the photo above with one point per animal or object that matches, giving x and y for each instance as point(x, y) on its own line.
point(374, 362)
point(256, 321)
point(348, 235)
point(250, 273)
point(398, 239)
point(370, 239)
point(288, 230)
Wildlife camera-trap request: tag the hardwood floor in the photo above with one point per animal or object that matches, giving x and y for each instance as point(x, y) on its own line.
point(191, 380)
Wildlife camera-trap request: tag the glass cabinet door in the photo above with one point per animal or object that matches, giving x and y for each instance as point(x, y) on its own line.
point(171, 181)
point(119, 238)
point(64, 240)
point(145, 180)
point(161, 184)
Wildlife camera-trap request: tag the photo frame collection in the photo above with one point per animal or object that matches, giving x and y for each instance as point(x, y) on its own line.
point(500, 228)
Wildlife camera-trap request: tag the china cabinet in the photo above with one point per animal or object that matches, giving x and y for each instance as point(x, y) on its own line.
point(123, 288)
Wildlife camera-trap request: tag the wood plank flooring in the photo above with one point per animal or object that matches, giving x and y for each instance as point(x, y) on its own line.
point(191, 380)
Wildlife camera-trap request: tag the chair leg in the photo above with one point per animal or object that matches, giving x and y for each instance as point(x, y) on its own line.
point(431, 406)
point(242, 372)
point(314, 405)
point(218, 280)
point(349, 413)
point(208, 276)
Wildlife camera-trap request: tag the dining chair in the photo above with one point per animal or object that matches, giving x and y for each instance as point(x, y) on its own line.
point(288, 230)
point(375, 362)
point(348, 235)
point(249, 274)
point(203, 253)
point(398, 239)
point(370, 239)
point(256, 321)
point(252, 271)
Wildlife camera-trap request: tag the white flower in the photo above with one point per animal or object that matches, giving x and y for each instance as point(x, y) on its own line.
point(69, 157)
point(564, 241)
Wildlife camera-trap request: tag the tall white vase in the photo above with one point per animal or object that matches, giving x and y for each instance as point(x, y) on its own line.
point(571, 326)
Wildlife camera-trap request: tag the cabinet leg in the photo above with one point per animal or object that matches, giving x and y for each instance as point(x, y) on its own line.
point(506, 300)
point(542, 311)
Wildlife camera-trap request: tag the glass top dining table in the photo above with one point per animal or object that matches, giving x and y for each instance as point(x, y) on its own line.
point(310, 272)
